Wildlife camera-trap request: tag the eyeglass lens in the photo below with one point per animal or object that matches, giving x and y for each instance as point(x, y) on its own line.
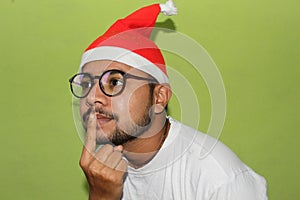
point(111, 83)
point(81, 85)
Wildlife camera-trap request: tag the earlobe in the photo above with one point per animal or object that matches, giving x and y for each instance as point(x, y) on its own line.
point(162, 95)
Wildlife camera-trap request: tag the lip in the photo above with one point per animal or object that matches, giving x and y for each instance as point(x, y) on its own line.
point(102, 119)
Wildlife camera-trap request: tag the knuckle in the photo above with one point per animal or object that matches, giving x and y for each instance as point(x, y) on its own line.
point(105, 174)
point(82, 164)
point(117, 155)
point(124, 163)
point(90, 125)
point(108, 147)
point(94, 171)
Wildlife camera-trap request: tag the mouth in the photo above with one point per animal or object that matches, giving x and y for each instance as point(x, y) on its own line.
point(103, 119)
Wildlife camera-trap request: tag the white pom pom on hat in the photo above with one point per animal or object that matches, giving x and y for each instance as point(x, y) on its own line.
point(128, 41)
point(168, 8)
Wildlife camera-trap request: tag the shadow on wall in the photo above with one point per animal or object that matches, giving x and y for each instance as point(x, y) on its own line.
point(167, 26)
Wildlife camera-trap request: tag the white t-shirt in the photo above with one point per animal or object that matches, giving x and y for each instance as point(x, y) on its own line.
point(191, 165)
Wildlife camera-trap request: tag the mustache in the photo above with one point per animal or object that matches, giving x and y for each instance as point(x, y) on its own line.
point(101, 111)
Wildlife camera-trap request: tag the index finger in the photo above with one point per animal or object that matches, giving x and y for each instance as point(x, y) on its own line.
point(90, 138)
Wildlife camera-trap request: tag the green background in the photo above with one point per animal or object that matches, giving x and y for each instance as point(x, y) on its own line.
point(255, 45)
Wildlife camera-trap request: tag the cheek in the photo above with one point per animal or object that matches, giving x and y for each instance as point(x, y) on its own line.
point(120, 106)
point(130, 106)
point(138, 103)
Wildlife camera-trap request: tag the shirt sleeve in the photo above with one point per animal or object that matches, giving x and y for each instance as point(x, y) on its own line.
point(246, 186)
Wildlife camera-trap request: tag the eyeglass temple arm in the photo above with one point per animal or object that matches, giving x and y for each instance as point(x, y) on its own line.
point(140, 78)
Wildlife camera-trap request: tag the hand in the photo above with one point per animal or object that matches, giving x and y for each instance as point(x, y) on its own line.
point(104, 170)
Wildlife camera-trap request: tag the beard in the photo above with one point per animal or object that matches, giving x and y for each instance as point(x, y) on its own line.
point(133, 131)
point(120, 136)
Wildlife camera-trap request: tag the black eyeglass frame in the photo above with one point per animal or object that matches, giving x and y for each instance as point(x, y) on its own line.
point(125, 77)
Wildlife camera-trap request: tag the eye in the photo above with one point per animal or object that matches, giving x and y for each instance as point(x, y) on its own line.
point(85, 85)
point(112, 82)
point(115, 82)
point(115, 79)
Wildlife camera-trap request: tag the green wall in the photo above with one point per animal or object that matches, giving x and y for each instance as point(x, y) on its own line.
point(254, 44)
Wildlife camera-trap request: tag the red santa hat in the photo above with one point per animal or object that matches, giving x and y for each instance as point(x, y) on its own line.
point(128, 41)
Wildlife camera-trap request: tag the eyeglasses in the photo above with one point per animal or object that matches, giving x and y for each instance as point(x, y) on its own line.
point(111, 82)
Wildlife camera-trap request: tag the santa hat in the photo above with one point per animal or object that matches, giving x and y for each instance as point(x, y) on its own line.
point(128, 41)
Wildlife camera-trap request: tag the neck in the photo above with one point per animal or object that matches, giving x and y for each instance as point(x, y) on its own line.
point(141, 150)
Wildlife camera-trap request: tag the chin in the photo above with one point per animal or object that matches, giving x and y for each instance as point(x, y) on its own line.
point(102, 138)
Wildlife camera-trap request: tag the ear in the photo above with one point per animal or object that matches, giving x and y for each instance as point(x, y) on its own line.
point(162, 95)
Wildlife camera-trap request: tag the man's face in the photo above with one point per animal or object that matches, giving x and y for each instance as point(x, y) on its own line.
point(123, 117)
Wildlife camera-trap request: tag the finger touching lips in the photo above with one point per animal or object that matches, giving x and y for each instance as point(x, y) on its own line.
point(103, 119)
point(90, 141)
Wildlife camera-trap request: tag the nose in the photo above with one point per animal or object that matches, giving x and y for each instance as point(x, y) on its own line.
point(96, 96)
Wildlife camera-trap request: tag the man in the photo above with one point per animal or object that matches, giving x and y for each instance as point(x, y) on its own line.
point(132, 150)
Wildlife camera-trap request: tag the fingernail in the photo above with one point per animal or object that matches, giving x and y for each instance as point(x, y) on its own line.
point(92, 115)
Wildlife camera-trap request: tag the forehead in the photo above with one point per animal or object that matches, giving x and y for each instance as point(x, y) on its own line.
point(99, 66)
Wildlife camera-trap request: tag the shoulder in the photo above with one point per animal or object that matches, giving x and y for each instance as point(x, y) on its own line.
point(206, 149)
point(213, 164)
